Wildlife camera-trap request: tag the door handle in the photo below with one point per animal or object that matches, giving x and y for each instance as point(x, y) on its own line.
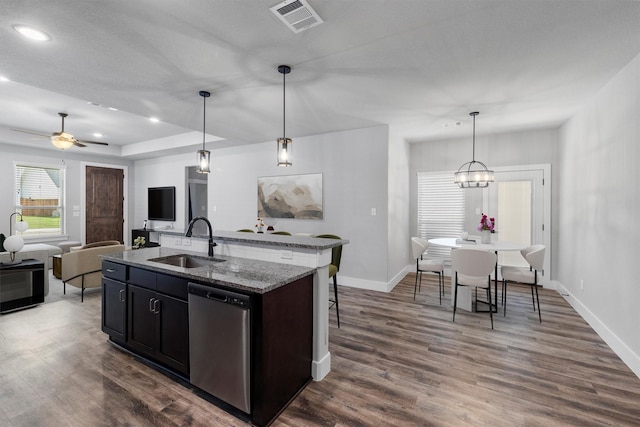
point(122, 295)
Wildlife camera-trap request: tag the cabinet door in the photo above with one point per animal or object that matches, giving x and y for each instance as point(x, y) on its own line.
point(173, 333)
point(114, 309)
point(141, 328)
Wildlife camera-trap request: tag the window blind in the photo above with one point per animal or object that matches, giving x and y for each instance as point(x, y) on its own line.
point(39, 197)
point(441, 209)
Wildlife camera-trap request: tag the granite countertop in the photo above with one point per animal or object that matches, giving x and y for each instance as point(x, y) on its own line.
point(239, 273)
point(267, 239)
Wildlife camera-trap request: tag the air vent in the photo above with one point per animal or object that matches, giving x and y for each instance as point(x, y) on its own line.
point(297, 15)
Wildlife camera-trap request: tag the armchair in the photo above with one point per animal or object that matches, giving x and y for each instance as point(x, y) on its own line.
point(82, 267)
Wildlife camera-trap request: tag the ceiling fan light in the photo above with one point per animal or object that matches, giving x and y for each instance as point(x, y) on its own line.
point(62, 141)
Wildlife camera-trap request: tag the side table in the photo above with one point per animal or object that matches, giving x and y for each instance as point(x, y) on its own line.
point(57, 266)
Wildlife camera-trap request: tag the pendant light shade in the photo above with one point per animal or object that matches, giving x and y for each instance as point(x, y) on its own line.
point(473, 174)
point(284, 143)
point(204, 156)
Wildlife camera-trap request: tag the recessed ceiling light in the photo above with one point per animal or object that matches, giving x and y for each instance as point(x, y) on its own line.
point(32, 33)
point(154, 119)
point(112, 109)
point(451, 124)
point(4, 79)
point(97, 135)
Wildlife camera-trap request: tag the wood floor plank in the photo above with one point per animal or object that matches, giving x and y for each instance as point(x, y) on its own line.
point(395, 362)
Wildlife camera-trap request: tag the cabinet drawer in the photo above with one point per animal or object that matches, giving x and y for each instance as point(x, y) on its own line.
point(114, 270)
point(142, 278)
point(172, 286)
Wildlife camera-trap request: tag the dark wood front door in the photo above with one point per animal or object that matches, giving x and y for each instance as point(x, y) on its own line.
point(104, 204)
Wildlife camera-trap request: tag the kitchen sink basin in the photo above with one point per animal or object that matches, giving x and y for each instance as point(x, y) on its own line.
point(187, 261)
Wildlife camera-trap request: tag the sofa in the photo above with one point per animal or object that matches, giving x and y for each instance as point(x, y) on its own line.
point(40, 251)
point(82, 266)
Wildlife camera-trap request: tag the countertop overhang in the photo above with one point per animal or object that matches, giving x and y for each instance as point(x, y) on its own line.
point(268, 239)
point(238, 273)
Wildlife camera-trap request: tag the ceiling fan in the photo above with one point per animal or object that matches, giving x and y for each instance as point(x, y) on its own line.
point(62, 139)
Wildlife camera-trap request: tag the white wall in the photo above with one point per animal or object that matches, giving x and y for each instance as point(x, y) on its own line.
point(72, 159)
point(598, 227)
point(399, 246)
point(355, 180)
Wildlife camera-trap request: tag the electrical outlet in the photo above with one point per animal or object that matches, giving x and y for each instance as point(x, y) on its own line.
point(374, 212)
point(186, 242)
point(178, 241)
point(286, 254)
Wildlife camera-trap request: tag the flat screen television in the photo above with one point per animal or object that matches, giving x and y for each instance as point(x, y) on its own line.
point(162, 203)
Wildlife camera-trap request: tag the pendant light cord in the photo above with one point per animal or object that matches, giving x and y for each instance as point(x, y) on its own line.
point(284, 82)
point(204, 119)
point(473, 154)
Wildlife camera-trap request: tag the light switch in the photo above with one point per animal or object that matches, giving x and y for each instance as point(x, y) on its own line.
point(373, 212)
point(478, 211)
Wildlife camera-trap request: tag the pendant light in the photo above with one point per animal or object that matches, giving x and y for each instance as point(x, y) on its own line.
point(204, 156)
point(284, 143)
point(473, 174)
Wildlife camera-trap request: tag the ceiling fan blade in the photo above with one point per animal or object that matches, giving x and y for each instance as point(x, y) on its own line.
point(78, 144)
point(91, 142)
point(32, 133)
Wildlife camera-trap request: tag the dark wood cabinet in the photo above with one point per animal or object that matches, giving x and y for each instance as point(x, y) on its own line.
point(141, 325)
point(114, 309)
point(158, 326)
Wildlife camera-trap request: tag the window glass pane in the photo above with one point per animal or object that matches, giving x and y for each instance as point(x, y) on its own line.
point(39, 198)
point(441, 207)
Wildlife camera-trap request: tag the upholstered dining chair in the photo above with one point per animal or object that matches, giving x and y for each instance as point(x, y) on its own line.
point(283, 233)
point(534, 255)
point(472, 268)
point(419, 247)
point(334, 267)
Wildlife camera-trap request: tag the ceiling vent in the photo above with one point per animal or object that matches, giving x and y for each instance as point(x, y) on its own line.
point(297, 15)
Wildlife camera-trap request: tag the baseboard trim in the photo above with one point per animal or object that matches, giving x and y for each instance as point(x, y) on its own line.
point(631, 359)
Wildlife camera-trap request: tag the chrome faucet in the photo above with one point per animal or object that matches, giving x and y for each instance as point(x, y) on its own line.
point(190, 231)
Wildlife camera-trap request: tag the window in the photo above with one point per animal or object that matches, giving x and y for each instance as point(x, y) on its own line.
point(441, 209)
point(39, 198)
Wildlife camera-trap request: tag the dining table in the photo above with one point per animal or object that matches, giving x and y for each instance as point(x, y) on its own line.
point(465, 297)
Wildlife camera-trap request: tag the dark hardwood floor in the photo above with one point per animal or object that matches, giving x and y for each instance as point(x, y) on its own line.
point(395, 362)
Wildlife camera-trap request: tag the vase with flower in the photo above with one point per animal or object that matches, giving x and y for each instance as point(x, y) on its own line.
point(486, 227)
point(260, 225)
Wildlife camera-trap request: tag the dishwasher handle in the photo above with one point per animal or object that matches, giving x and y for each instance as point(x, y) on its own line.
point(220, 295)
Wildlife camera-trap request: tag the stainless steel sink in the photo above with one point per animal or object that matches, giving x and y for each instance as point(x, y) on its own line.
point(187, 261)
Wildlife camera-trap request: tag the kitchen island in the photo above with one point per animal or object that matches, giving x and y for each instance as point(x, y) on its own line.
point(162, 305)
point(305, 251)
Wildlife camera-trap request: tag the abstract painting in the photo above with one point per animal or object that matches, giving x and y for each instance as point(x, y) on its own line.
point(290, 196)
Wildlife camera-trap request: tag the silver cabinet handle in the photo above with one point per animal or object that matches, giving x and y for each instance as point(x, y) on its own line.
point(122, 295)
point(111, 270)
point(151, 305)
point(156, 308)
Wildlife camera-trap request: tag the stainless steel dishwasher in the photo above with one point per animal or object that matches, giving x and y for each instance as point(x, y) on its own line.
point(220, 344)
